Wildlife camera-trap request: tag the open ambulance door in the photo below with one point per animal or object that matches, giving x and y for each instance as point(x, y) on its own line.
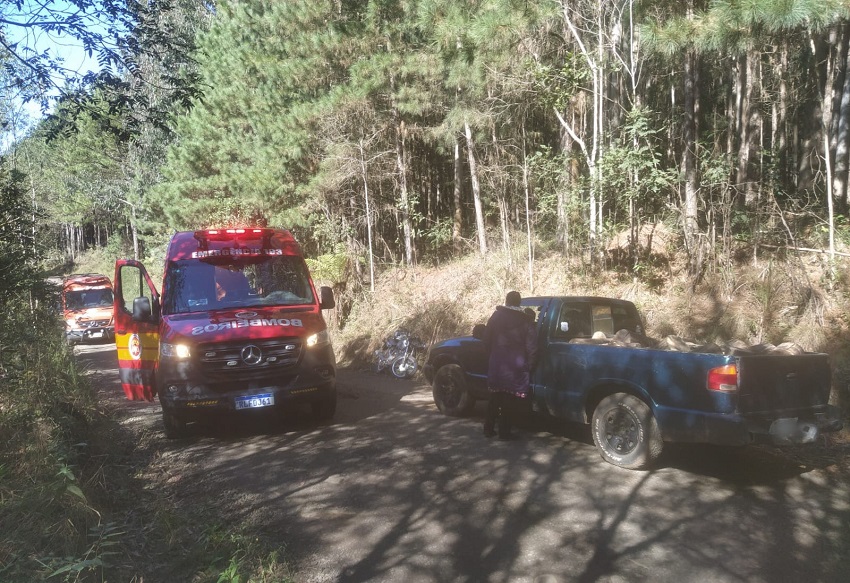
point(136, 312)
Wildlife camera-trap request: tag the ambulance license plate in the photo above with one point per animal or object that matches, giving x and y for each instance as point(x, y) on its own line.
point(254, 401)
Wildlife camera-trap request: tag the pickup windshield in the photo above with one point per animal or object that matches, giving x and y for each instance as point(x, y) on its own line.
point(198, 285)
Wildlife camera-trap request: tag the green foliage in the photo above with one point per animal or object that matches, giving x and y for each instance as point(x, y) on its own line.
point(105, 542)
point(438, 237)
point(17, 237)
point(44, 404)
point(632, 170)
point(559, 84)
point(121, 35)
point(247, 560)
point(331, 268)
point(44, 401)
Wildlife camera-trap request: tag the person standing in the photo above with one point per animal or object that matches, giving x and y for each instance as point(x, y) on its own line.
point(511, 341)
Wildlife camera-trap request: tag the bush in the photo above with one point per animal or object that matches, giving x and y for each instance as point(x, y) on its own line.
point(45, 403)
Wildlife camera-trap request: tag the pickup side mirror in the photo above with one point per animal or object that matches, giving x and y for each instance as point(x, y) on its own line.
point(326, 298)
point(478, 331)
point(142, 310)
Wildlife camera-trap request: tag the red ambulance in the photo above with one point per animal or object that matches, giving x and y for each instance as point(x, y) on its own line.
point(87, 307)
point(238, 328)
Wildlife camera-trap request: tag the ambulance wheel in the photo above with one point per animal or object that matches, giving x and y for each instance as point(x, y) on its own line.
point(175, 426)
point(324, 409)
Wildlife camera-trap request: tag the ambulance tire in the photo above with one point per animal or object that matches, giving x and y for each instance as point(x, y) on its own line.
point(324, 409)
point(175, 426)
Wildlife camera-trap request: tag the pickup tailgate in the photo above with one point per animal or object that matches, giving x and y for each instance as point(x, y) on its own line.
point(783, 385)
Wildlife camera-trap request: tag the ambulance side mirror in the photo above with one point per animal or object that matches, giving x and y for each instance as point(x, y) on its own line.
point(326, 298)
point(142, 310)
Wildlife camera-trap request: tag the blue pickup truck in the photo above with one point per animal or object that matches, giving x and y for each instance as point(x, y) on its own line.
point(594, 367)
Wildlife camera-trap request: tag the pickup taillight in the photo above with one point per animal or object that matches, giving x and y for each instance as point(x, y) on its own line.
point(723, 378)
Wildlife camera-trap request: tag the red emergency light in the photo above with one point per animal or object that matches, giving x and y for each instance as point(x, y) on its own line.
point(231, 234)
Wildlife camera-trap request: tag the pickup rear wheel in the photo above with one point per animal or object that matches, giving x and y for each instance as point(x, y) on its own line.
point(451, 393)
point(626, 433)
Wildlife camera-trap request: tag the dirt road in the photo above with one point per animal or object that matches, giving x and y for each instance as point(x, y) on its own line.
point(394, 491)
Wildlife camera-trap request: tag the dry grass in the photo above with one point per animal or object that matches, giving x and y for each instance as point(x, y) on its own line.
point(774, 300)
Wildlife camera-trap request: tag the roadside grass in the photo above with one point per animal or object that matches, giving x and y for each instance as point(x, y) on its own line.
point(45, 404)
point(75, 505)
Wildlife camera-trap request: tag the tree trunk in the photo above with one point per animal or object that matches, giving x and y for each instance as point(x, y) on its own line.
point(749, 120)
point(368, 217)
point(827, 100)
point(780, 126)
point(476, 189)
point(401, 166)
point(135, 232)
point(457, 219)
point(842, 139)
point(527, 191)
point(689, 160)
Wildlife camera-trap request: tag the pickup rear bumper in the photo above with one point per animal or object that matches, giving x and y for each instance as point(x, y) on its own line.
point(794, 430)
point(697, 427)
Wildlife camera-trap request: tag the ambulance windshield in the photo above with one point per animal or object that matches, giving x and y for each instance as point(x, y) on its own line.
point(198, 285)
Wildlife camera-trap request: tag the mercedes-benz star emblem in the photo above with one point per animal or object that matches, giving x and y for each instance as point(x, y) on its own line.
point(252, 355)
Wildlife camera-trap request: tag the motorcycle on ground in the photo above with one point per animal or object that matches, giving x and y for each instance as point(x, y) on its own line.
point(399, 354)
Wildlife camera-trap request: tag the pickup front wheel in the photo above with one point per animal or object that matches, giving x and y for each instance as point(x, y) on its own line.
point(450, 392)
point(626, 433)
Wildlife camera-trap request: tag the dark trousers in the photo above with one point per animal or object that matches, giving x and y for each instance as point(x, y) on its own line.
point(501, 408)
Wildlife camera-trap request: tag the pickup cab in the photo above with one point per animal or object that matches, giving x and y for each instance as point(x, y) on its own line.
point(636, 398)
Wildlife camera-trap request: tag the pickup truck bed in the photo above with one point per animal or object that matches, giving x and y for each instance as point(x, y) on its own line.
point(642, 397)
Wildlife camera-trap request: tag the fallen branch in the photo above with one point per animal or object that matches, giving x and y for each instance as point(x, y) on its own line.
point(826, 251)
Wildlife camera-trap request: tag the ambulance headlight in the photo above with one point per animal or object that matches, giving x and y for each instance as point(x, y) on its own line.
point(173, 350)
point(318, 339)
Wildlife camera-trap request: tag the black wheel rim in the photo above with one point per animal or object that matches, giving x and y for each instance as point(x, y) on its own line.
point(622, 431)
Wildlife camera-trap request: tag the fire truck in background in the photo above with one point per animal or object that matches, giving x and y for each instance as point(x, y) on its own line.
point(87, 307)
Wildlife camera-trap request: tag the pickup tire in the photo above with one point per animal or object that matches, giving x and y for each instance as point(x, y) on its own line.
point(626, 433)
point(175, 426)
point(451, 393)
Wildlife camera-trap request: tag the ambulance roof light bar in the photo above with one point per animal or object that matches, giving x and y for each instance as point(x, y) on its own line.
point(234, 231)
point(206, 235)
